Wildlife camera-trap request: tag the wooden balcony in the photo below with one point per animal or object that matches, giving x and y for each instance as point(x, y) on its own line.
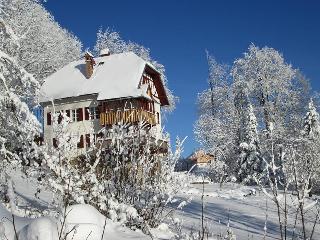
point(127, 116)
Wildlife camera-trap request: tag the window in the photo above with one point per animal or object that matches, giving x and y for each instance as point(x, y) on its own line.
point(88, 140)
point(97, 113)
point(68, 113)
point(149, 92)
point(74, 115)
point(95, 138)
point(80, 143)
point(49, 118)
point(94, 113)
point(79, 114)
point(60, 116)
point(87, 113)
point(54, 143)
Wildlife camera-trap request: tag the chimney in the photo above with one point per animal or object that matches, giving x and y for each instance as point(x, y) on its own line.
point(104, 52)
point(89, 64)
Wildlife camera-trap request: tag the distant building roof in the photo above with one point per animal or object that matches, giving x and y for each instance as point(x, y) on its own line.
point(114, 76)
point(201, 156)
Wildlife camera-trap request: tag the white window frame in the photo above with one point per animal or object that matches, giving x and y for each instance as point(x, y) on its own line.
point(92, 113)
point(73, 113)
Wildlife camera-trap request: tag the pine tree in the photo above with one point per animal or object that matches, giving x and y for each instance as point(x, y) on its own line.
point(249, 161)
point(311, 127)
point(311, 133)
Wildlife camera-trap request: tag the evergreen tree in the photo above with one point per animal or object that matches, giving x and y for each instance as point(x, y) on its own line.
point(249, 159)
point(311, 126)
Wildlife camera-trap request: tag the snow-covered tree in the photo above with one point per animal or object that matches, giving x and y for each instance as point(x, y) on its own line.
point(218, 77)
point(18, 91)
point(311, 127)
point(311, 134)
point(291, 165)
point(44, 46)
point(270, 83)
point(276, 92)
point(250, 160)
point(18, 126)
point(217, 126)
point(116, 44)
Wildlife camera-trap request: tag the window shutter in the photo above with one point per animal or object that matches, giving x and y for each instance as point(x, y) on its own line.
point(86, 113)
point(81, 144)
point(55, 143)
point(88, 140)
point(49, 118)
point(79, 114)
point(60, 118)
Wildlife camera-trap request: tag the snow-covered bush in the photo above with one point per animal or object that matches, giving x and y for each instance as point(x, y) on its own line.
point(133, 171)
point(290, 168)
point(218, 171)
point(126, 175)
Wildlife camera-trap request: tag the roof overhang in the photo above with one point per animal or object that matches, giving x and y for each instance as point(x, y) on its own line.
point(158, 82)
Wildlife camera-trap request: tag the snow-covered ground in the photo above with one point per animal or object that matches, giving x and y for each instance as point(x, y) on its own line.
point(82, 222)
point(243, 206)
point(86, 221)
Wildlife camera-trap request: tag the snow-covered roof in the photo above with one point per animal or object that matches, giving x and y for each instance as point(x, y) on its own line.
point(104, 51)
point(114, 76)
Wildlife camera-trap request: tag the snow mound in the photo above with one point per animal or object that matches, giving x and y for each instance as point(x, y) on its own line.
point(86, 222)
point(40, 228)
point(162, 232)
point(83, 214)
point(82, 221)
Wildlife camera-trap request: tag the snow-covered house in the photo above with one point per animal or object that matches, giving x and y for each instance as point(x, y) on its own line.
point(201, 158)
point(97, 92)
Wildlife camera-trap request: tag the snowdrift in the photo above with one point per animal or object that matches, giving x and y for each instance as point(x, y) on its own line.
point(81, 222)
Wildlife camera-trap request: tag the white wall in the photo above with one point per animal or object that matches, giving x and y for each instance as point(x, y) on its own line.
point(76, 128)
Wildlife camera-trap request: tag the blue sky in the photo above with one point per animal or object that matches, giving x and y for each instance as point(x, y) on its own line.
point(178, 32)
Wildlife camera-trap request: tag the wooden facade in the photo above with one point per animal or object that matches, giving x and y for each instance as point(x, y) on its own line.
point(127, 116)
point(128, 111)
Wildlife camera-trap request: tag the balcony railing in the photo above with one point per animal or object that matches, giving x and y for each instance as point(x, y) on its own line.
point(127, 116)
